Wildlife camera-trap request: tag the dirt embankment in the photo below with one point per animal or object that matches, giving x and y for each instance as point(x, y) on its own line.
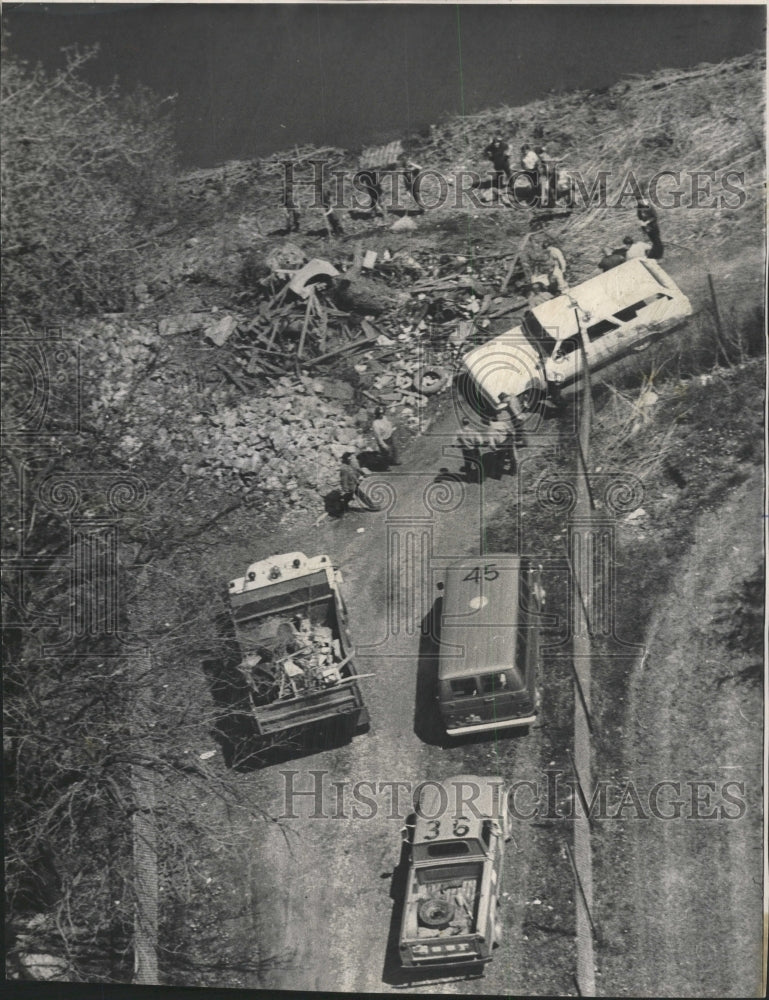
point(690, 918)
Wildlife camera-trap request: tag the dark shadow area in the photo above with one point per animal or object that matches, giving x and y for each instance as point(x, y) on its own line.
point(546, 215)
point(332, 503)
point(392, 972)
point(428, 726)
point(444, 475)
point(400, 211)
point(362, 214)
point(374, 461)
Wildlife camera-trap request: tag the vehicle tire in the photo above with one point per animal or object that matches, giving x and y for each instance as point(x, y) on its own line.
point(436, 912)
point(531, 398)
point(432, 380)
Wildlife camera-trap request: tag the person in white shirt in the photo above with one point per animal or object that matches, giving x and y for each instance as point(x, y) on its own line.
point(384, 435)
point(635, 248)
point(556, 266)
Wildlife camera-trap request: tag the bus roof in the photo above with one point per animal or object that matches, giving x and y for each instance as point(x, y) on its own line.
point(481, 615)
point(604, 295)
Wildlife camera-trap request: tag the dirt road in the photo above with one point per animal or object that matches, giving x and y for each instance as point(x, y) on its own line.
point(680, 909)
point(332, 877)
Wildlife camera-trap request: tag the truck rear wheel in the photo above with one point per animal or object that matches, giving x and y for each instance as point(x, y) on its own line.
point(531, 398)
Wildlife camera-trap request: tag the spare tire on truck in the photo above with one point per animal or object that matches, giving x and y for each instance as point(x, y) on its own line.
point(436, 912)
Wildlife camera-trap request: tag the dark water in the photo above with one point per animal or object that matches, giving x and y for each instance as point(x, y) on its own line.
point(252, 79)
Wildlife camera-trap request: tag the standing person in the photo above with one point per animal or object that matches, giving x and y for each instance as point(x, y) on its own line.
point(469, 441)
point(350, 475)
point(531, 167)
point(509, 407)
point(384, 435)
point(411, 172)
point(370, 181)
point(556, 266)
point(547, 170)
point(500, 439)
point(647, 215)
point(290, 206)
point(333, 225)
point(497, 152)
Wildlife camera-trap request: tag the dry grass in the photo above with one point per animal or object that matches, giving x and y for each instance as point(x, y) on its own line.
point(710, 118)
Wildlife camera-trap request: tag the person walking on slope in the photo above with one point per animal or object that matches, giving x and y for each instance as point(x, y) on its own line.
point(333, 225)
point(647, 216)
point(370, 181)
point(531, 167)
point(350, 475)
point(547, 177)
point(556, 266)
point(469, 441)
point(384, 435)
point(290, 206)
point(411, 172)
point(497, 152)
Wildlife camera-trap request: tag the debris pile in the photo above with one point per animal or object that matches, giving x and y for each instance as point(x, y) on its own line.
point(304, 657)
point(298, 377)
point(290, 438)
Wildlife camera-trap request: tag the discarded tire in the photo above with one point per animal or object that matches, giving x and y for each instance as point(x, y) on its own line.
point(436, 912)
point(431, 380)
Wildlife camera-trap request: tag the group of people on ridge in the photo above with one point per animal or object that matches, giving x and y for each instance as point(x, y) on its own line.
point(535, 164)
point(367, 181)
point(494, 447)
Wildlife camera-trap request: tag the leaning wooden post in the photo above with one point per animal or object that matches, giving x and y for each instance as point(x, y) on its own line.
point(511, 269)
point(717, 315)
point(305, 325)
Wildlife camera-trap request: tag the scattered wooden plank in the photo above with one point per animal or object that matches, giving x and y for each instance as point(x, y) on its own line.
point(305, 325)
point(347, 348)
point(236, 381)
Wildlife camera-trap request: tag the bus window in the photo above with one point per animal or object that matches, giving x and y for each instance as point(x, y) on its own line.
point(600, 328)
point(465, 687)
point(493, 682)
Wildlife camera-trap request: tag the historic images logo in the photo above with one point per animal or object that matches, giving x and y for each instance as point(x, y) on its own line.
point(320, 183)
point(554, 796)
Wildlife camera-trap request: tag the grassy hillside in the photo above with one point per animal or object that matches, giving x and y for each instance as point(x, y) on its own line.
point(708, 119)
